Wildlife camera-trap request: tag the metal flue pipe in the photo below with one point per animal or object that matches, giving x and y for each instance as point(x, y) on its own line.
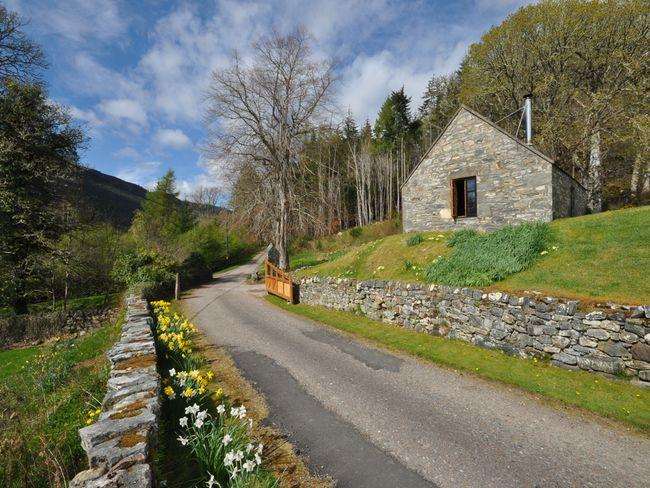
point(529, 118)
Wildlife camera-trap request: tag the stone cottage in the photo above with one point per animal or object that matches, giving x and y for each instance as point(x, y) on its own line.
point(477, 175)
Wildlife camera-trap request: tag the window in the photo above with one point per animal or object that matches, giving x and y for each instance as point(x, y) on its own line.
point(463, 197)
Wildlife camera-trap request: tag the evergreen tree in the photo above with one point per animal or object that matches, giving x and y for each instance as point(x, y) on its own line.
point(163, 216)
point(38, 160)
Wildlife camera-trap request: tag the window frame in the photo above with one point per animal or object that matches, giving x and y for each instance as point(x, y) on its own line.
point(454, 198)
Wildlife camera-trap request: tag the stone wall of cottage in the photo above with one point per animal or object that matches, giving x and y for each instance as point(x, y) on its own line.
point(612, 339)
point(514, 184)
point(563, 185)
point(119, 445)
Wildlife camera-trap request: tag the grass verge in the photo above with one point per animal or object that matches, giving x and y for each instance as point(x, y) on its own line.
point(615, 399)
point(45, 394)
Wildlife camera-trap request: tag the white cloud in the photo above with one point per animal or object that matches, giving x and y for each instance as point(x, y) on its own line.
point(89, 116)
point(368, 81)
point(75, 20)
point(125, 110)
point(174, 138)
point(127, 153)
point(141, 173)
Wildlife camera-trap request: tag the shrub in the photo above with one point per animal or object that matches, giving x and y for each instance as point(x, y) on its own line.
point(480, 259)
point(355, 232)
point(144, 268)
point(415, 240)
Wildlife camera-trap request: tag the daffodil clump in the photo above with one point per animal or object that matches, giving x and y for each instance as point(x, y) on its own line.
point(220, 441)
point(173, 331)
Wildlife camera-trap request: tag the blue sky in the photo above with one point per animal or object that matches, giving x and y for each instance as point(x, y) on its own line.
point(134, 72)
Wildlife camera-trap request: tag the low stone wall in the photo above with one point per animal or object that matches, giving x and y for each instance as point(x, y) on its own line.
point(614, 339)
point(38, 327)
point(119, 444)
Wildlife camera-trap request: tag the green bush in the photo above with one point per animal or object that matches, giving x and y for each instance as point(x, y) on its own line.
point(144, 268)
point(355, 232)
point(480, 259)
point(415, 240)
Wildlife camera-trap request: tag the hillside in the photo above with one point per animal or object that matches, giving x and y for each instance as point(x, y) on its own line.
point(594, 258)
point(110, 199)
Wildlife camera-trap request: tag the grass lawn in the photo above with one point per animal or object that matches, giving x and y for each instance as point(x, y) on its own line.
point(616, 399)
point(44, 401)
point(601, 257)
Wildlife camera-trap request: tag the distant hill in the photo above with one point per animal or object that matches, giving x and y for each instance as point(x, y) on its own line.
point(109, 198)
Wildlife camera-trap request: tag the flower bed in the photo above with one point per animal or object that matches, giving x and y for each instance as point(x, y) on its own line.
point(214, 432)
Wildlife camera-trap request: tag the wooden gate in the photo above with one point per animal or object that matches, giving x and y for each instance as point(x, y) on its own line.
point(278, 282)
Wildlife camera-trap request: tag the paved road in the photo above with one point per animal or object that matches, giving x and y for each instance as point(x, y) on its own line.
point(373, 419)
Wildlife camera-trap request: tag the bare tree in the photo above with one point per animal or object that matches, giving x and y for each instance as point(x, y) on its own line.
point(207, 199)
point(266, 107)
point(20, 58)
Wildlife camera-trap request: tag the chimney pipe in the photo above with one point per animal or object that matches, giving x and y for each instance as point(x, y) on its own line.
point(529, 118)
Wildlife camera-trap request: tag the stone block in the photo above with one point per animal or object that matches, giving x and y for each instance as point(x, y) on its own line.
point(612, 348)
point(586, 342)
point(641, 351)
point(565, 358)
point(602, 364)
point(599, 334)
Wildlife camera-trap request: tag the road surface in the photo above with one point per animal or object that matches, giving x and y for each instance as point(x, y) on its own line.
point(370, 418)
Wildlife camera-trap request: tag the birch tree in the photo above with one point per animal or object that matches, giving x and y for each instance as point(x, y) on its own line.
point(263, 108)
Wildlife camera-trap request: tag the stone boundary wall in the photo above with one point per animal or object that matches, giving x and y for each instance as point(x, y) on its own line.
point(119, 445)
point(33, 328)
point(614, 339)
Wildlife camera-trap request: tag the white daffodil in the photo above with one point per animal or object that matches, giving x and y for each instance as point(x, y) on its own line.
point(249, 466)
point(238, 412)
point(258, 459)
point(192, 410)
point(249, 448)
point(227, 439)
point(211, 482)
point(229, 458)
point(183, 440)
point(172, 372)
point(198, 423)
point(221, 409)
point(259, 448)
point(239, 455)
point(183, 421)
point(202, 415)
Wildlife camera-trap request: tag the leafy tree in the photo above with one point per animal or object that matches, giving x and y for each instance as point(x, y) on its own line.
point(586, 62)
point(38, 160)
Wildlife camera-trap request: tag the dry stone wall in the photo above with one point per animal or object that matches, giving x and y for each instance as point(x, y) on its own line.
point(119, 444)
point(33, 328)
point(613, 339)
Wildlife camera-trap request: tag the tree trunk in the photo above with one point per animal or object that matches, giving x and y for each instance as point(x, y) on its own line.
point(65, 290)
point(282, 233)
point(594, 184)
point(177, 287)
point(640, 180)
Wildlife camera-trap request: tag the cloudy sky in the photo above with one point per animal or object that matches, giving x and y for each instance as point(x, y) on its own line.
point(134, 72)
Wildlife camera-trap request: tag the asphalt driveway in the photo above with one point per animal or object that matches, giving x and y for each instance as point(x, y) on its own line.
point(370, 418)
